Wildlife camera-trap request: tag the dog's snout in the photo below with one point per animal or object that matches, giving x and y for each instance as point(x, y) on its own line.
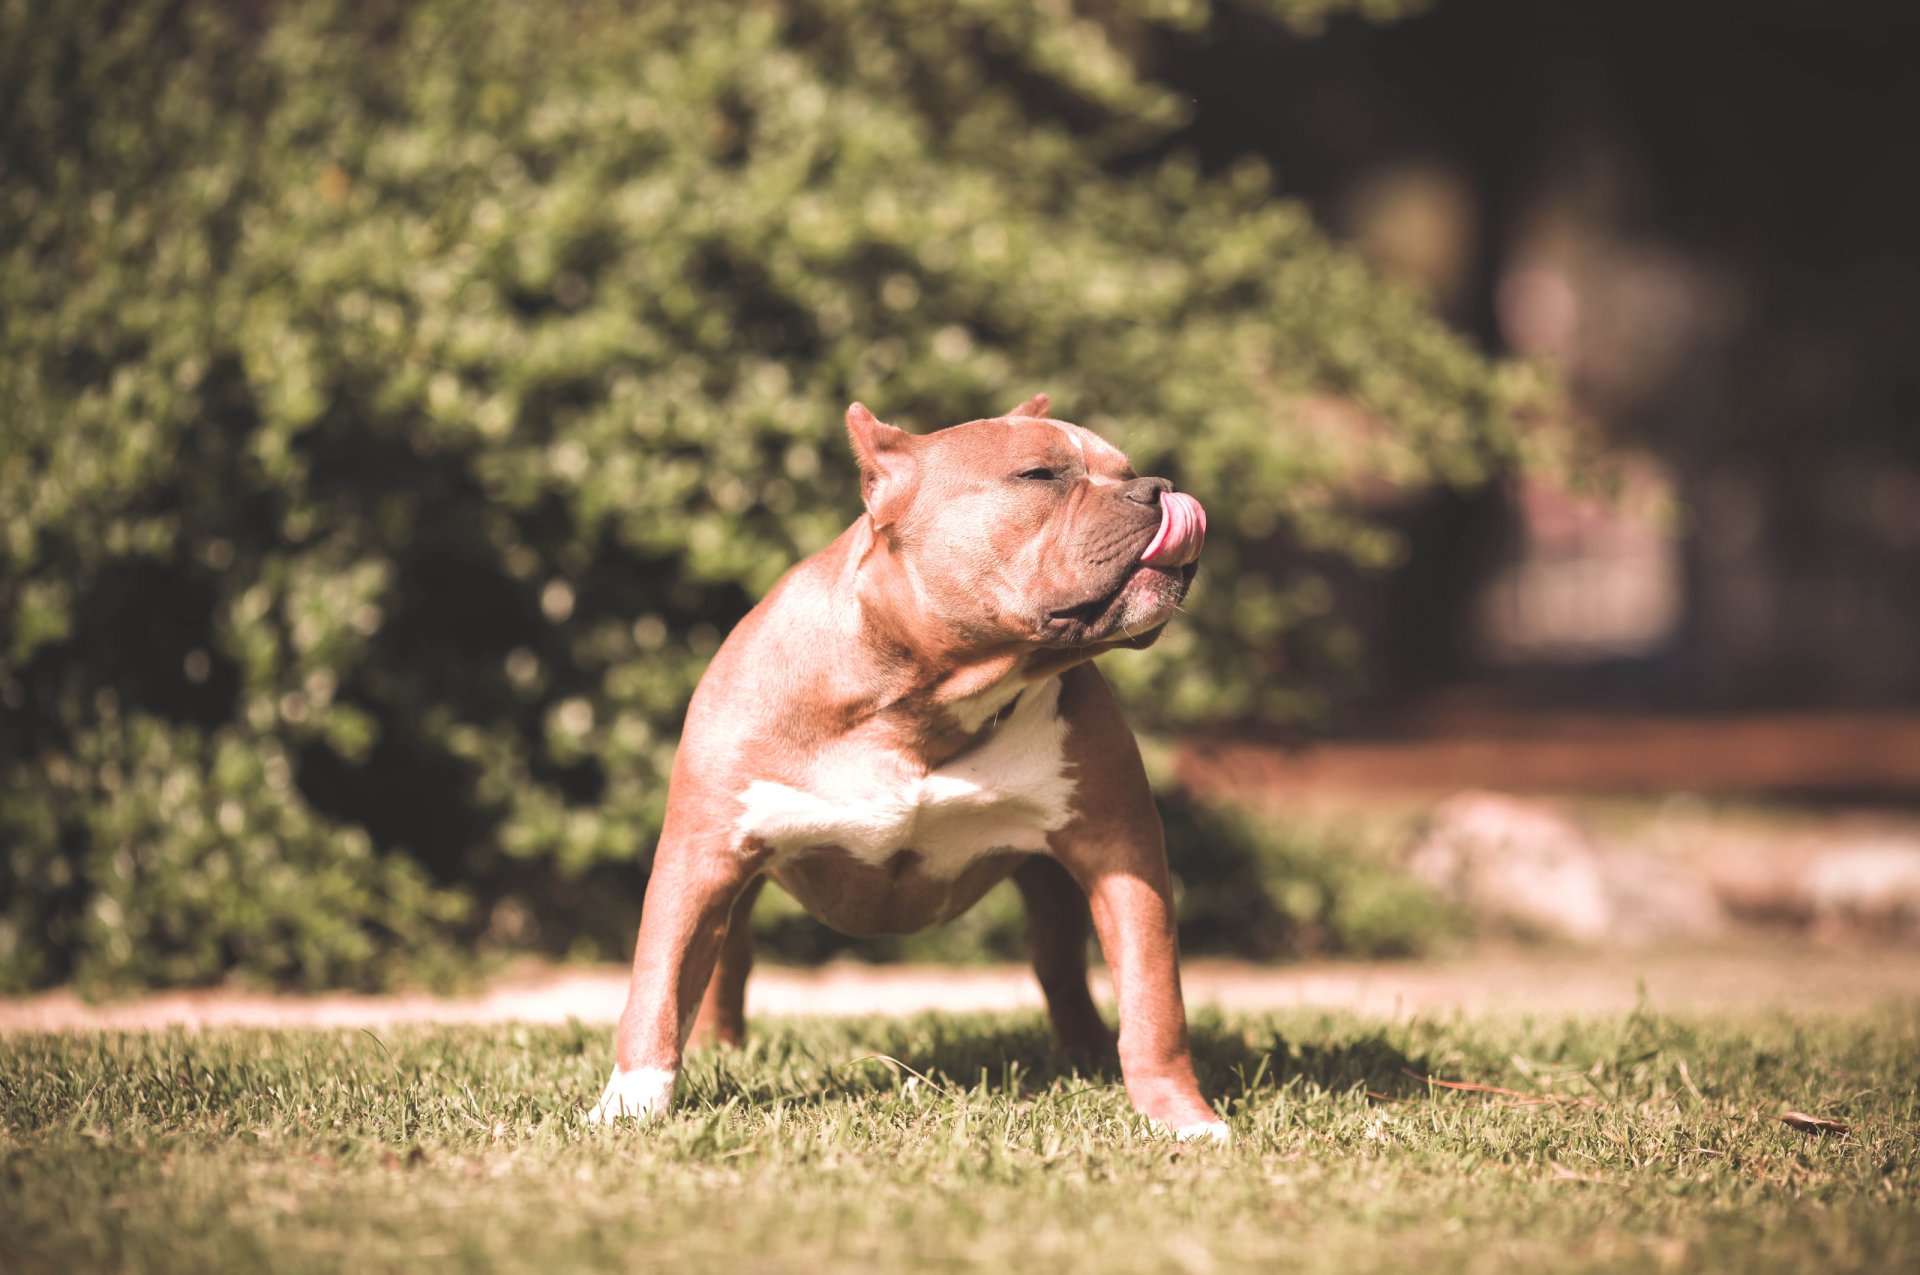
point(1146, 491)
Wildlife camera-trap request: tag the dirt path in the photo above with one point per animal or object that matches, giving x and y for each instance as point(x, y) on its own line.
point(1802, 979)
point(1454, 748)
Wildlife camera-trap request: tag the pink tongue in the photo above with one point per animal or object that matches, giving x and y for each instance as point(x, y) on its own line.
point(1183, 529)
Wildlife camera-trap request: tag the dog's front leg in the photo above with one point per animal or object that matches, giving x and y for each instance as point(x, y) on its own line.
point(1115, 848)
point(683, 923)
point(1133, 915)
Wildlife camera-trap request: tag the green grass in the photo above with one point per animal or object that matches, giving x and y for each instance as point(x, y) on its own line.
point(1654, 1146)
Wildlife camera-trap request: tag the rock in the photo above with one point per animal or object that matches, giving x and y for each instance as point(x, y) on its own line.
point(1759, 888)
point(1658, 899)
point(1517, 864)
point(1871, 887)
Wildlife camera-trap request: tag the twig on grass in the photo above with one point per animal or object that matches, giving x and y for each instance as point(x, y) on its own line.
point(1522, 1098)
point(895, 1062)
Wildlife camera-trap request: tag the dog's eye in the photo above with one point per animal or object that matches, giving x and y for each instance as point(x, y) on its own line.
point(1041, 474)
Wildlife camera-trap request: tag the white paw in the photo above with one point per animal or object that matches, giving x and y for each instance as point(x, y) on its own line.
point(641, 1094)
point(1214, 1131)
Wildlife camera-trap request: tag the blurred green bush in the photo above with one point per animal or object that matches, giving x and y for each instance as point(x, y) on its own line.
point(402, 399)
point(1245, 886)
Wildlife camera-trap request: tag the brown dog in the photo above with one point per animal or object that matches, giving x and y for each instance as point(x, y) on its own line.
point(910, 717)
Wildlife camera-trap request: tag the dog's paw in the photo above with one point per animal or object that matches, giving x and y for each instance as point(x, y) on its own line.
point(1214, 1131)
point(644, 1093)
point(1209, 1131)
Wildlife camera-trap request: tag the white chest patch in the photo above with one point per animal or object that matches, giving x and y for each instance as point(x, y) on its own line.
point(1007, 794)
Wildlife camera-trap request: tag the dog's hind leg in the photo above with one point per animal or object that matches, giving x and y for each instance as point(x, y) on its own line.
point(1058, 927)
point(723, 1012)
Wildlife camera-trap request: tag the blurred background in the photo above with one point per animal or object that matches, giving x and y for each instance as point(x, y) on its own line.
point(400, 401)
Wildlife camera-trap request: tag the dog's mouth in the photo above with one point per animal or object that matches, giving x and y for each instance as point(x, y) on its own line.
point(1149, 590)
point(1085, 613)
point(1132, 612)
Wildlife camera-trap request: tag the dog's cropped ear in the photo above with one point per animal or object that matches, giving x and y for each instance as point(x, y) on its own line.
point(885, 455)
point(1035, 406)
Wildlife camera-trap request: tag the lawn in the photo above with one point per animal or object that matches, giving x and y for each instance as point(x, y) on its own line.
point(1635, 1142)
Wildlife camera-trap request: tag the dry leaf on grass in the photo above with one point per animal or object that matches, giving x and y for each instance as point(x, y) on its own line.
point(1813, 1124)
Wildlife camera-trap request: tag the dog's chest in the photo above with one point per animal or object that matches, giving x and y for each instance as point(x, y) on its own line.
point(870, 802)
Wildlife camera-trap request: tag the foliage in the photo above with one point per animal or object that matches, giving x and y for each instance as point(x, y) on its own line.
point(1245, 886)
point(1652, 1144)
point(408, 396)
point(1256, 887)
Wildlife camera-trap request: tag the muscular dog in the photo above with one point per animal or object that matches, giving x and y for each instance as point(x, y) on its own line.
point(911, 716)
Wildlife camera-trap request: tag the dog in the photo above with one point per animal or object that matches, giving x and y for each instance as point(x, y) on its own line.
point(913, 715)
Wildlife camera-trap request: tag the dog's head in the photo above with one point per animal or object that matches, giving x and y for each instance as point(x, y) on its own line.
point(1027, 529)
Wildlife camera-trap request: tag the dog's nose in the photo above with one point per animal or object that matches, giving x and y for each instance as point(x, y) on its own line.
point(1146, 491)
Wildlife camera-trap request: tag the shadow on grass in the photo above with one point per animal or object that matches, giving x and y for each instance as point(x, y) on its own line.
point(1003, 1057)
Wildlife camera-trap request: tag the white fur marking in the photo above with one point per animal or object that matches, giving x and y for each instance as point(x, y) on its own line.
point(1214, 1131)
point(1080, 436)
point(973, 712)
point(644, 1093)
point(1006, 794)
